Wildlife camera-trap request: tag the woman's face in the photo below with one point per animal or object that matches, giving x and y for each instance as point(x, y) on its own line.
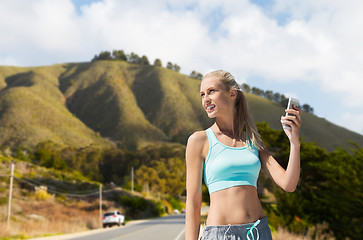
point(216, 100)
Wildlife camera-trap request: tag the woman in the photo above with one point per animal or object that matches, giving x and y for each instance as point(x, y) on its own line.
point(230, 155)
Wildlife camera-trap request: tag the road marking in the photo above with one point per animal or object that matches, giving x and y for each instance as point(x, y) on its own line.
point(131, 233)
point(180, 234)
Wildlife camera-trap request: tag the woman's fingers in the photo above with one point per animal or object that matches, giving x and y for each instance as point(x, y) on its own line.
point(293, 119)
point(296, 114)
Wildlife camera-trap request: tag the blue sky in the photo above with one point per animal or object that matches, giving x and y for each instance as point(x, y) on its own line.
point(307, 49)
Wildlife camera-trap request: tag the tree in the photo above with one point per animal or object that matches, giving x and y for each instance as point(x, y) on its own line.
point(176, 67)
point(133, 58)
point(95, 58)
point(257, 92)
point(144, 60)
point(119, 55)
point(307, 108)
point(276, 97)
point(283, 100)
point(269, 95)
point(246, 88)
point(169, 65)
point(196, 75)
point(157, 63)
point(105, 55)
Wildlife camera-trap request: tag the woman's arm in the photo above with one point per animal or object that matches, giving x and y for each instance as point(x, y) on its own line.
point(194, 166)
point(286, 179)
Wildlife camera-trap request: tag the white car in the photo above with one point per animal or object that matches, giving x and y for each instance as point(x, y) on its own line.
point(113, 218)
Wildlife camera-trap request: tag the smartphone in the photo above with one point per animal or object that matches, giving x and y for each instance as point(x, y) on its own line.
point(292, 101)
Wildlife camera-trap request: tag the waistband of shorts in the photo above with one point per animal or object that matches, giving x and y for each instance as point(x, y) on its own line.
point(263, 223)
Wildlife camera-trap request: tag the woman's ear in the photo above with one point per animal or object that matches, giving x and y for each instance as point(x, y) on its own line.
point(233, 92)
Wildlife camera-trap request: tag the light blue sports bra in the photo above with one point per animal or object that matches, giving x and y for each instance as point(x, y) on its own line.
point(226, 166)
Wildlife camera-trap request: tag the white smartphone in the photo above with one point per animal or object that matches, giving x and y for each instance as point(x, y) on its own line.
point(292, 101)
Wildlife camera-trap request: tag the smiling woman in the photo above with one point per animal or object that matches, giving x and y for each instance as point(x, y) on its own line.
point(229, 155)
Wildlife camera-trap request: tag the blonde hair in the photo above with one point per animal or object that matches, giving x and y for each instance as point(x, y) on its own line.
point(244, 128)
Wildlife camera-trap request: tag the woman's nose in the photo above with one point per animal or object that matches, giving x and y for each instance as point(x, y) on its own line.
point(206, 99)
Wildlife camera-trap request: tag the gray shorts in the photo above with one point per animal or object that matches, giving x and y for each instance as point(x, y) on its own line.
point(258, 230)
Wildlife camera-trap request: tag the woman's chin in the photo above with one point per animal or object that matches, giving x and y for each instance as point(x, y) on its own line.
point(211, 115)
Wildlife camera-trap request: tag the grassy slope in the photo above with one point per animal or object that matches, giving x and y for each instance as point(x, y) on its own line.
point(102, 99)
point(170, 101)
point(32, 110)
point(128, 103)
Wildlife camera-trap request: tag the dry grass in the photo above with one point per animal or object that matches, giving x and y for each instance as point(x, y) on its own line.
point(283, 234)
point(318, 232)
point(35, 218)
point(36, 213)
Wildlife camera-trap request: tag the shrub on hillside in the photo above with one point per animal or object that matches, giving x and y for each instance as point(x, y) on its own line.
point(139, 207)
point(42, 194)
point(175, 204)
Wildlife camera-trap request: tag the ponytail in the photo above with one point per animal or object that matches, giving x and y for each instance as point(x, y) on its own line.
point(244, 126)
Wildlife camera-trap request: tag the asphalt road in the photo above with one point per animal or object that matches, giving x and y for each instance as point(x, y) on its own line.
point(166, 228)
point(171, 227)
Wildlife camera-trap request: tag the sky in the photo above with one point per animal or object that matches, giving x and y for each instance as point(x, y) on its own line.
point(310, 49)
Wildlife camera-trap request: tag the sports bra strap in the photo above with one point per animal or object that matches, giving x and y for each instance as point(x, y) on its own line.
point(211, 138)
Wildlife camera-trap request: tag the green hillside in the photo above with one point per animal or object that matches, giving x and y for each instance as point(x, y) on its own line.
point(115, 102)
point(32, 110)
point(100, 96)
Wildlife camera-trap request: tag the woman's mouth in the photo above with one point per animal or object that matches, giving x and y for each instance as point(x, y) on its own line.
point(210, 108)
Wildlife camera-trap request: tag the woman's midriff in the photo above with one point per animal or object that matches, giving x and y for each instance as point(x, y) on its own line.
point(235, 205)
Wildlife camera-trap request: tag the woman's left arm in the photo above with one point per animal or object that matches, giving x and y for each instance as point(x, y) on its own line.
point(286, 179)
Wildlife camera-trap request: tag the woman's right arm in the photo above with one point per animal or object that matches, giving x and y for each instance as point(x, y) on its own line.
point(194, 166)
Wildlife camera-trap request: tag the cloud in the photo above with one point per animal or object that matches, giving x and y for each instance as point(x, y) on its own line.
point(151, 29)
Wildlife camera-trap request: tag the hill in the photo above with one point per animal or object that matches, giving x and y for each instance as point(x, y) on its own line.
point(116, 102)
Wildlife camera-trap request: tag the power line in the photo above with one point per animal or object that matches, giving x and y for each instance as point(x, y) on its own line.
point(50, 190)
point(55, 188)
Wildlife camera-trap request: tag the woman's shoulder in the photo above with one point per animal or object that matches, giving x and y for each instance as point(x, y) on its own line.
point(198, 141)
point(197, 137)
point(198, 144)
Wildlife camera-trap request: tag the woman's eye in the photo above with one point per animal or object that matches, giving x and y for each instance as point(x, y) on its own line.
point(202, 95)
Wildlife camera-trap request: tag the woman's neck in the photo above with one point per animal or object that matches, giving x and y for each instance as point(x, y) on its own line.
point(225, 126)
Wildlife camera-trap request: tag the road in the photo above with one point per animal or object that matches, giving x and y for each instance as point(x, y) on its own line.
point(166, 228)
point(171, 227)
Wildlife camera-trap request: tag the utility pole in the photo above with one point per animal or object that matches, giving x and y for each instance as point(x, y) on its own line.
point(10, 193)
point(101, 203)
point(132, 179)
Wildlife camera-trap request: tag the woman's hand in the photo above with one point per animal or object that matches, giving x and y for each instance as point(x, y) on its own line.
point(294, 122)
